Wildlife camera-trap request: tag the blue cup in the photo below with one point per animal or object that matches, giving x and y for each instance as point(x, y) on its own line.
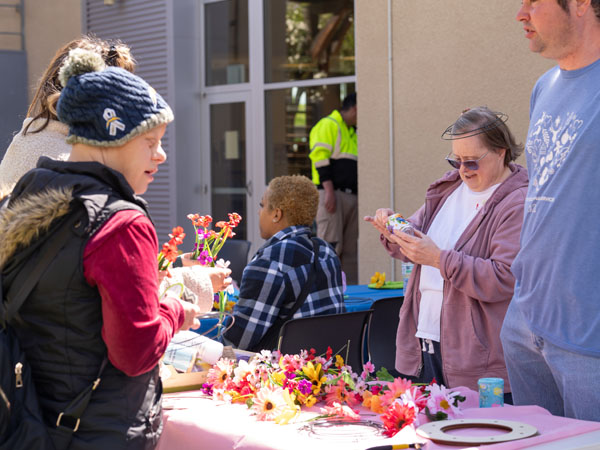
point(491, 392)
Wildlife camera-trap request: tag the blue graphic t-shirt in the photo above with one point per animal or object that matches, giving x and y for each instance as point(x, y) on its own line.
point(557, 270)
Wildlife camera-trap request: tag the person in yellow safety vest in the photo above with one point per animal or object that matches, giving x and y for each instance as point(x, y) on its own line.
point(333, 155)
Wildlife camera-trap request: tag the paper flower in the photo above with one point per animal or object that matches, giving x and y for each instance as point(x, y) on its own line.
point(340, 394)
point(169, 252)
point(378, 279)
point(338, 410)
point(394, 390)
point(276, 387)
point(207, 244)
point(442, 403)
point(269, 403)
point(397, 417)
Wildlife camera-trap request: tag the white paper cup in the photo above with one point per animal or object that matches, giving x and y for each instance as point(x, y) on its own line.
point(209, 351)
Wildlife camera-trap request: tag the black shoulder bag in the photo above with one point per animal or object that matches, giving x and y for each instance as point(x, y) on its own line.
point(270, 339)
point(21, 422)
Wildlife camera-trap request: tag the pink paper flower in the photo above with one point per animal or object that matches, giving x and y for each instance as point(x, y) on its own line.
point(442, 400)
point(340, 393)
point(395, 389)
point(339, 410)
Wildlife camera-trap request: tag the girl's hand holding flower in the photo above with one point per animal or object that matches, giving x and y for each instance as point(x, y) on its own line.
point(219, 277)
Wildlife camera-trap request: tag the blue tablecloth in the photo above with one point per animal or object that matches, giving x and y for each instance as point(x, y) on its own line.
point(359, 297)
point(362, 290)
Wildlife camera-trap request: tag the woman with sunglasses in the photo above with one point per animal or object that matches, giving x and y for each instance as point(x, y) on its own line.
point(466, 237)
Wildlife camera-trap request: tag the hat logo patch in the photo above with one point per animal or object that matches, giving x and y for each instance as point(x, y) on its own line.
point(113, 122)
point(152, 94)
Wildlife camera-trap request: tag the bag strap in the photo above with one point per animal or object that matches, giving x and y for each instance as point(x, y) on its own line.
point(68, 420)
point(273, 331)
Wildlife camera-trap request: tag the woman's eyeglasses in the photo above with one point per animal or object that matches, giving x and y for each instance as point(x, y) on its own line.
point(472, 164)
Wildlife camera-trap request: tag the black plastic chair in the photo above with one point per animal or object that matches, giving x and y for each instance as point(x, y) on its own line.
point(344, 333)
point(235, 251)
point(382, 333)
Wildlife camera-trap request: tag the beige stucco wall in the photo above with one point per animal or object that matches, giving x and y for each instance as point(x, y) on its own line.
point(48, 25)
point(10, 22)
point(447, 56)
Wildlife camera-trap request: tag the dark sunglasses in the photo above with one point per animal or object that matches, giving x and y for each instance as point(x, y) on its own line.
point(472, 164)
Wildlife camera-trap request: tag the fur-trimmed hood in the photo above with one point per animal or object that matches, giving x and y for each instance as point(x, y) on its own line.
point(29, 217)
point(52, 190)
point(5, 190)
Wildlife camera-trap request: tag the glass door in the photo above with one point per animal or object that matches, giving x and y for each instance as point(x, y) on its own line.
point(269, 69)
point(230, 189)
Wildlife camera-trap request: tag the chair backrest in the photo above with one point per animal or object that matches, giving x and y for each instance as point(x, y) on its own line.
point(235, 251)
point(382, 333)
point(344, 333)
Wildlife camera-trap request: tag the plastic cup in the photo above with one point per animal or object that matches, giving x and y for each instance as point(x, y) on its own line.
point(491, 392)
point(407, 268)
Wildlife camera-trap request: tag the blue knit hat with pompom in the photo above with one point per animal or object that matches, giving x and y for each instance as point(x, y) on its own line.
point(106, 107)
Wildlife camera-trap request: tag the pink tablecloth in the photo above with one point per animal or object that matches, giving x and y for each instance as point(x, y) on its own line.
point(193, 422)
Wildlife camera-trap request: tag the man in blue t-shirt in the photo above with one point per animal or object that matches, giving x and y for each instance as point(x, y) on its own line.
point(551, 333)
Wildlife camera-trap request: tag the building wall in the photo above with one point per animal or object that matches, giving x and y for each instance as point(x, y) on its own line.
point(48, 26)
point(13, 97)
point(147, 27)
point(24, 57)
point(446, 56)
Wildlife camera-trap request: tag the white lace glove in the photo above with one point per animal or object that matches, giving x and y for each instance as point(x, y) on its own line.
point(196, 281)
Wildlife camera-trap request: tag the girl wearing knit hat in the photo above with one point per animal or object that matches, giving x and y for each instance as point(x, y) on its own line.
point(95, 306)
point(42, 134)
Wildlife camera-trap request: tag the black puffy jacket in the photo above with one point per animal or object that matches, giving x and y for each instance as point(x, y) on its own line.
point(59, 325)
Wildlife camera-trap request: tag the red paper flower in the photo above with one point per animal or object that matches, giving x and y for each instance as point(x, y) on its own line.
point(169, 251)
point(177, 235)
point(397, 417)
point(234, 219)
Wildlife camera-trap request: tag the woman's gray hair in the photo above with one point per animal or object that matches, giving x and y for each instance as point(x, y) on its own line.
point(492, 128)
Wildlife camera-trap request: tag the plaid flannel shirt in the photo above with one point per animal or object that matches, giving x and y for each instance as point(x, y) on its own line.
point(273, 280)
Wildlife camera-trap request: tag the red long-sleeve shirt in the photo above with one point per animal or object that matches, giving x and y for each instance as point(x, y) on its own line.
point(120, 260)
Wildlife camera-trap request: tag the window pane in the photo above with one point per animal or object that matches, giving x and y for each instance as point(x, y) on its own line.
point(290, 114)
point(226, 25)
point(308, 39)
point(228, 162)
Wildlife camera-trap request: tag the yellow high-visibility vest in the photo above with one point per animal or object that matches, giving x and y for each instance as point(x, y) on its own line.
point(331, 139)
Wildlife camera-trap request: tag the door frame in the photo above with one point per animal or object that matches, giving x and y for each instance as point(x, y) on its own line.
point(251, 93)
point(252, 159)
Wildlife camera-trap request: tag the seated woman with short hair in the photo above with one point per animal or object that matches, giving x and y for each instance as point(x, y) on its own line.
point(274, 278)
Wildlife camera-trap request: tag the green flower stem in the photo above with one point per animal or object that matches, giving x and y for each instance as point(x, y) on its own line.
point(222, 305)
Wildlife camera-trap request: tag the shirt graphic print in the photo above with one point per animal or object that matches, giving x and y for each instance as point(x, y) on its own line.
point(549, 144)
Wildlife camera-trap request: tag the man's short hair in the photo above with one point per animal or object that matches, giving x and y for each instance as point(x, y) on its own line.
point(564, 4)
point(350, 101)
